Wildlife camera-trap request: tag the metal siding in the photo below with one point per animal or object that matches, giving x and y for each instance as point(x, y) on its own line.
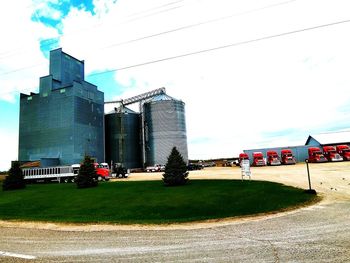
point(132, 143)
point(61, 125)
point(313, 142)
point(55, 64)
point(65, 68)
point(46, 126)
point(165, 127)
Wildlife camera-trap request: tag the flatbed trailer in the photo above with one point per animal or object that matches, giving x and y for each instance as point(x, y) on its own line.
point(61, 174)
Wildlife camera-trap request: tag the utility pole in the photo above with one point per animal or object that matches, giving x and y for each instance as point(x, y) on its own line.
point(310, 190)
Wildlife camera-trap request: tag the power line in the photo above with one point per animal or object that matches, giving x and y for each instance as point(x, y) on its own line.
point(205, 50)
point(55, 40)
point(225, 46)
point(179, 28)
point(155, 8)
point(168, 31)
point(20, 69)
point(215, 48)
point(199, 24)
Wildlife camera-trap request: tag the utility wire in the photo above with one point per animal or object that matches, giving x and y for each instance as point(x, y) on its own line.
point(157, 34)
point(56, 40)
point(136, 16)
point(198, 24)
point(215, 48)
point(205, 50)
point(168, 31)
point(225, 46)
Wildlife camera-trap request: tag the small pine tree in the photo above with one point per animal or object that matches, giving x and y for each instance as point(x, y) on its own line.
point(175, 170)
point(87, 176)
point(15, 178)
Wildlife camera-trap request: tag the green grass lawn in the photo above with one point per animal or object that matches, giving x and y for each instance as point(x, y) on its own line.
point(147, 201)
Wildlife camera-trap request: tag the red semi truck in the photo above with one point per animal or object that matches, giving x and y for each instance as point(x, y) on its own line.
point(344, 151)
point(258, 159)
point(102, 171)
point(331, 154)
point(287, 157)
point(242, 156)
point(316, 155)
point(272, 158)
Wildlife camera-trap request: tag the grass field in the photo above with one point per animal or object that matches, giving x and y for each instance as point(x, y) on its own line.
point(147, 201)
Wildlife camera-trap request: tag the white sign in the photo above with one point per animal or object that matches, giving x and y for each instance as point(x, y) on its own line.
point(245, 169)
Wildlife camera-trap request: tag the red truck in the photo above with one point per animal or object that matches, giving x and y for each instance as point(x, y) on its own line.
point(331, 154)
point(272, 158)
point(316, 155)
point(103, 172)
point(344, 151)
point(242, 156)
point(287, 157)
point(258, 159)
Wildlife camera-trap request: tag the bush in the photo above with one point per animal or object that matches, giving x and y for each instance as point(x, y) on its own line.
point(87, 176)
point(175, 170)
point(15, 178)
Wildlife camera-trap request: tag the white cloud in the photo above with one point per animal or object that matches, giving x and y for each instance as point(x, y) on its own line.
point(9, 144)
point(44, 9)
point(21, 61)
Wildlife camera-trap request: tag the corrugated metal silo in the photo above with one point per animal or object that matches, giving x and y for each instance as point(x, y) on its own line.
point(124, 149)
point(165, 127)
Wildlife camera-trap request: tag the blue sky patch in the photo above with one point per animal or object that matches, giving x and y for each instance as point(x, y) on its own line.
point(110, 87)
point(11, 118)
point(63, 7)
point(52, 14)
point(49, 44)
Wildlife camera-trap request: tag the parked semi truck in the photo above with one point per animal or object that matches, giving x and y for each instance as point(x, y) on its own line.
point(102, 171)
point(331, 154)
point(287, 157)
point(241, 157)
point(272, 158)
point(258, 159)
point(316, 155)
point(344, 151)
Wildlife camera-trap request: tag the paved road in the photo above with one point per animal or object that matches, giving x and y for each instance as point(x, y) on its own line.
point(319, 233)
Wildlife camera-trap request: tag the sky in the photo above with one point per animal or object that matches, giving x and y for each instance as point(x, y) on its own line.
point(252, 73)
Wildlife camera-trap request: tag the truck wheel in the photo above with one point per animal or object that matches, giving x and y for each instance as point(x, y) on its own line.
point(99, 178)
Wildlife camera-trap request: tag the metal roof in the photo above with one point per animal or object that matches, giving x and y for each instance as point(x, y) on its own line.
point(162, 97)
point(118, 109)
point(331, 137)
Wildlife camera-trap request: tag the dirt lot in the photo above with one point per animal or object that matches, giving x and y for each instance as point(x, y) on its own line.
point(331, 180)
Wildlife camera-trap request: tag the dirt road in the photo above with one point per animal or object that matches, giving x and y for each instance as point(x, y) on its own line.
point(320, 233)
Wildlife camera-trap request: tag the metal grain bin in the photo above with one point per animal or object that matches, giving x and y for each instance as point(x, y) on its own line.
point(165, 127)
point(123, 144)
